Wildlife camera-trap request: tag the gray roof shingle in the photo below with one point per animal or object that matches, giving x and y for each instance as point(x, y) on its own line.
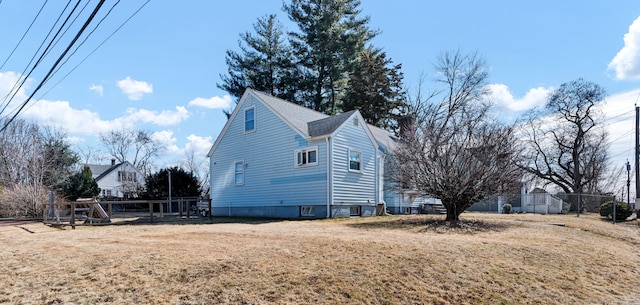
point(328, 125)
point(314, 124)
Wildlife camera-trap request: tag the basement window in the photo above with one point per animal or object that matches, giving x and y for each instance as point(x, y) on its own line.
point(307, 211)
point(355, 210)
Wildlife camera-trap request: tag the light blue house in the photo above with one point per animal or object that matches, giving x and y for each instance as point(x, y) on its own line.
point(274, 158)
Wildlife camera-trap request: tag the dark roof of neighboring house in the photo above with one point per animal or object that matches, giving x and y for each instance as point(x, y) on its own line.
point(538, 190)
point(99, 170)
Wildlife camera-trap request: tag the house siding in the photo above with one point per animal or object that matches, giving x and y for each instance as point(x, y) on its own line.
point(110, 181)
point(353, 188)
point(273, 185)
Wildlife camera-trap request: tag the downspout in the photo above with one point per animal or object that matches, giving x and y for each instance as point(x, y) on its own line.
point(381, 183)
point(329, 178)
point(377, 179)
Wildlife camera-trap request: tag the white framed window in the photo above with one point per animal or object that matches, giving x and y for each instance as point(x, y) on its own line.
point(355, 121)
point(307, 211)
point(355, 161)
point(250, 119)
point(307, 156)
point(354, 210)
point(406, 210)
point(239, 173)
point(127, 176)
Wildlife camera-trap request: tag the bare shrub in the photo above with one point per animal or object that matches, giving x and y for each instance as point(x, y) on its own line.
point(22, 200)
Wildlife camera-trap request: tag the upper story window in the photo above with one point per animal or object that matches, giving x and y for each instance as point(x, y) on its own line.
point(124, 176)
point(355, 161)
point(250, 119)
point(239, 172)
point(307, 156)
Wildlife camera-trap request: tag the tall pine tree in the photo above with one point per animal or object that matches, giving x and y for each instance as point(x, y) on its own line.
point(375, 89)
point(327, 65)
point(331, 35)
point(264, 62)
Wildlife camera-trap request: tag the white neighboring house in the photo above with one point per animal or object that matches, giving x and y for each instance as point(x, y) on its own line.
point(120, 180)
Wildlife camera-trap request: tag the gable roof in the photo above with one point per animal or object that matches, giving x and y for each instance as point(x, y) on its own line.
point(295, 115)
point(103, 170)
point(98, 169)
point(307, 122)
point(386, 140)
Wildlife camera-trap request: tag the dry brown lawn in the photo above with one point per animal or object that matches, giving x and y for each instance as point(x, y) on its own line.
point(490, 259)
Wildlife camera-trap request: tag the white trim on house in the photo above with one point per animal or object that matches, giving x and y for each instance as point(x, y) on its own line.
point(237, 172)
point(253, 120)
point(228, 123)
point(359, 162)
point(303, 157)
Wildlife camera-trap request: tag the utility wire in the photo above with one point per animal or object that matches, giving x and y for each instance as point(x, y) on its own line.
point(96, 48)
point(86, 24)
point(23, 35)
point(67, 28)
point(80, 45)
point(24, 76)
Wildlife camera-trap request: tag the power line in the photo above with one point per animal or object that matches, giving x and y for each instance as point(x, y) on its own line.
point(23, 77)
point(23, 35)
point(96, 48)
point(81, 44)
point(84, 26)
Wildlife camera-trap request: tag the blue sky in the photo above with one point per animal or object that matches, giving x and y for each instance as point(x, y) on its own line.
point(159, 72)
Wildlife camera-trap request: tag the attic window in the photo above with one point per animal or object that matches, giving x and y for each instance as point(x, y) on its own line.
point(249, 120)
point(355, 121)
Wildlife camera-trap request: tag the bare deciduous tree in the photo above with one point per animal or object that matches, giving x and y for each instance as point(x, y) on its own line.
point(137, 147)
point(452, 149)
point(199, 167)
point(566, 145)
point(33, 161)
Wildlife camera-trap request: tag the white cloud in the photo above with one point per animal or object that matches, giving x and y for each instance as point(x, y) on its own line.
point(215, 102)
point(626, 63)
point(500, 94)
point(97, 88)
point(60, 114)
point(8, 80)
point(167, 140)
point(162, 118)
point(134, 89)
point(620, 117)
point(199, 145)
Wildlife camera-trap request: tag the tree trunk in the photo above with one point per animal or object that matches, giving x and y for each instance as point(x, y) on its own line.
point(452, 214)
